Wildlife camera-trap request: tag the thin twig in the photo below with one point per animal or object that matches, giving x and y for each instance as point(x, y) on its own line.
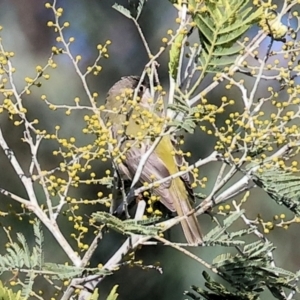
point(187, 253)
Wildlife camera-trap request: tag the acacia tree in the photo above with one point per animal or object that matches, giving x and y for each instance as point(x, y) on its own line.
point(255, 147)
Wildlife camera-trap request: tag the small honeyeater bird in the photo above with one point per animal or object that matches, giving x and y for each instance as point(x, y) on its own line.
point(135, 125)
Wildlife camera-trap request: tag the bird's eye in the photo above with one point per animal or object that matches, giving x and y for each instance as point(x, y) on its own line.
point(142, 89)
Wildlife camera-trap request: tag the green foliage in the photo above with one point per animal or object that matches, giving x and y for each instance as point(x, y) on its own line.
point(113, 295)
point(137, 8)
point(248, 274)
point(220, 25)
point(95, 295)
point(282, 186)
point(18, 254)
point(19, 257)
point(8, 294)
point(174, 55)
point(135, 11)
point(218, 291)
point(28, 284)
point(191, 119)
point(61, 272)
point(217, 235)
point(128, 227)
point(122, 10)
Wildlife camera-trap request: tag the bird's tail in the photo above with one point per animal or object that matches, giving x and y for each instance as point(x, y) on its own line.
point(190, 224)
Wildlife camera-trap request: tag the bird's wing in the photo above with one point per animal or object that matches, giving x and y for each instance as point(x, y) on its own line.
point(172, 194)
point(187, 177)
point(154, 166)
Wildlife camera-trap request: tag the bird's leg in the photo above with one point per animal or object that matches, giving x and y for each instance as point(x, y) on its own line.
point(115, 190)
point(125, 201)
point(119, 188)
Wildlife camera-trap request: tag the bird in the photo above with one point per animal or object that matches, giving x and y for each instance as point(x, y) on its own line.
point(134, 125)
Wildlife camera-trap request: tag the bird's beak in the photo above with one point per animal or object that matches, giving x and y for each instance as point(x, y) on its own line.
point(145, 98)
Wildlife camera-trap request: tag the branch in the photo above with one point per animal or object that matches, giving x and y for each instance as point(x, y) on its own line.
point(33, 205)
point(90, 282)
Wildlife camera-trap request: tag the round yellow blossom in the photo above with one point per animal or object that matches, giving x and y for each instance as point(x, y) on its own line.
point(150, 210)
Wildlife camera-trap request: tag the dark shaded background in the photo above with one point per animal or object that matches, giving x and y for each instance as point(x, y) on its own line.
point(93, 22)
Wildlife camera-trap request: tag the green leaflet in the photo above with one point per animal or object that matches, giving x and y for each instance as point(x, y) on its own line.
point(247, 275)
point(220, 24)
point(127, 227)
point(8, 294)
point(113, 295)
point(61, 271)
point(189, 122)
point(174, 55)
point(95, 295)
point(218, 291)
point(135, 11)
point(282, 186)
point(122, 10)
point(217, 235)
point(28, 285)
point(18, 254)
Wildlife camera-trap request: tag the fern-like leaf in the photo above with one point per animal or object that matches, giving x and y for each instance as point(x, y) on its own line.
point(8, 294)
point(217, 236)
point(38, 253)
point(282, 186)
point(113, 295)
point(127, 227)
point(62, 272)
point(247, 274)
point(28, 284)
point(122, 10)
point(95, 295)
point(220, 25)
